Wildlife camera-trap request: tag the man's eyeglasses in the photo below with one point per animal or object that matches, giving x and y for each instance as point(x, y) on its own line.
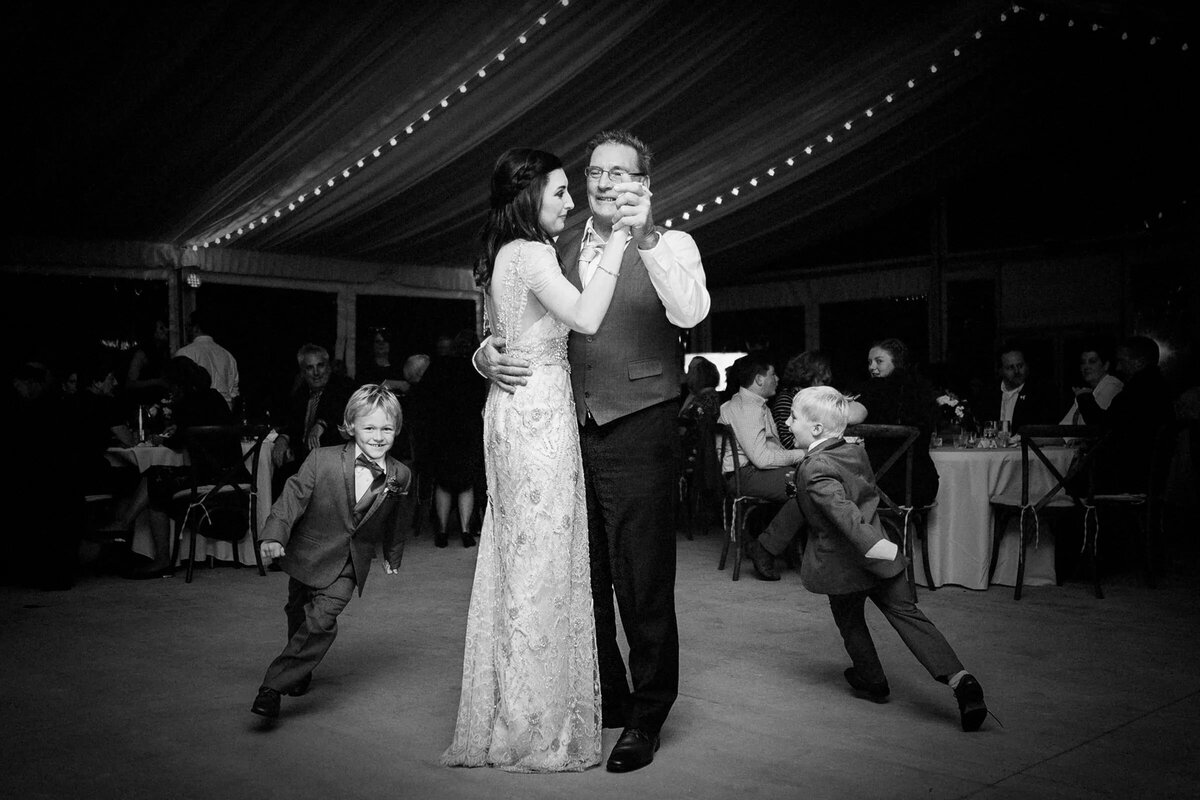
point(616, 174)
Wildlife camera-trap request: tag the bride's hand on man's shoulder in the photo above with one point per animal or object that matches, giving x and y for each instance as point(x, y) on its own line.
point(503, 370)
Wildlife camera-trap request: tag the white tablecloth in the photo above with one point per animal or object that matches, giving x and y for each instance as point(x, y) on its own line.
point(960, 526)
point(146, 456)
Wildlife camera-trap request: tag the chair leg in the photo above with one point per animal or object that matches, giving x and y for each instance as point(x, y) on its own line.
point(923, 535)
point(176, 541)
point(739, 522)
point(727, 522)
point(1025, 535)
point(999, 523)
point(909, 571)
point(191, 555)
point(254, 535)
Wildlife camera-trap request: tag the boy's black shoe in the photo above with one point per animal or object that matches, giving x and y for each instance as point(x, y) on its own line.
point(300, 688)
point(763, 561)
point(972, 711)
point(266, 704)
point(877, 692)
point(440, 539)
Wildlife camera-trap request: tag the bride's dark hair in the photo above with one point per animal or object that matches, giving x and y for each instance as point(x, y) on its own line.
point(518, 181)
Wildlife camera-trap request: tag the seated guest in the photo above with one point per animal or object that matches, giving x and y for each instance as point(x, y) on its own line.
point(193, 402)
point(895, 395)
point(767, 465)
point(810, 368)
point(1131, 419)
point(702, 399)
point(101, 418)
point(101, 424)
point(1016, 401)
point(311, 414)
point(1094, 363)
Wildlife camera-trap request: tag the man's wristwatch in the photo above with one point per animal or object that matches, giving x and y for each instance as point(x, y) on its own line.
point(656, 236)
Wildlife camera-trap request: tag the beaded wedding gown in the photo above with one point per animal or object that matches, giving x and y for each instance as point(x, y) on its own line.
point(530, 697)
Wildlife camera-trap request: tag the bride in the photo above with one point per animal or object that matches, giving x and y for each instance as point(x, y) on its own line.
point(530, 697)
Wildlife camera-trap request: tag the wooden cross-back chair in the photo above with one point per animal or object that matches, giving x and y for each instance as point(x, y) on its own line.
point(222, 477)
point(736, 503)
point(910, 519)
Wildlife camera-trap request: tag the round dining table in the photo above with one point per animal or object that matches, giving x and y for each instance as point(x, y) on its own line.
point(959, 527)
point(146, 455)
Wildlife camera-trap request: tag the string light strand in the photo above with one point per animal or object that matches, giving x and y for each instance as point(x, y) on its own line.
point(363, 161)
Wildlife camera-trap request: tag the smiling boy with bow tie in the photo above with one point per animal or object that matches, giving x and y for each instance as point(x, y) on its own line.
point(324, 529)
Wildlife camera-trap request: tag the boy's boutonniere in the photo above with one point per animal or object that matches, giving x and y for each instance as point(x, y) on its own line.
point(392, 486)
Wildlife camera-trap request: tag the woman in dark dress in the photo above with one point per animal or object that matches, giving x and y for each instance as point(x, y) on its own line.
point(380, 369)
point(449, 402)
point(896, 396)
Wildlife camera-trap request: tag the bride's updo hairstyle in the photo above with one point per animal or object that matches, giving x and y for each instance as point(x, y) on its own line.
point(516, 203)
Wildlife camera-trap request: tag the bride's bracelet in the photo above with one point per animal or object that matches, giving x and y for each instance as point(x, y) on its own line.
point(602, 268)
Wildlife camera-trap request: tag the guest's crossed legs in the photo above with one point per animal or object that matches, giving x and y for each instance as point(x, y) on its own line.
point(629, 469)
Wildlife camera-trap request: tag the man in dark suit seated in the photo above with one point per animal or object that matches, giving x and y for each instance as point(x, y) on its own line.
point(1018, 401)
point(1132, 419)
point(310, 414)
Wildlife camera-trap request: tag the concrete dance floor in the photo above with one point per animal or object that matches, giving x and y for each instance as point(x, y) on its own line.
point(142, 689)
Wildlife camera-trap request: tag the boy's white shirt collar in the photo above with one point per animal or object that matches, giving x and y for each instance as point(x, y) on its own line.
point(827, 438)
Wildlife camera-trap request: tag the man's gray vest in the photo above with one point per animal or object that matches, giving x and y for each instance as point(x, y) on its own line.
point(634, 361)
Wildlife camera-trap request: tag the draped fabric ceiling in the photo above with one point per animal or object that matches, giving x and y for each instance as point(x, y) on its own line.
point(177, 124)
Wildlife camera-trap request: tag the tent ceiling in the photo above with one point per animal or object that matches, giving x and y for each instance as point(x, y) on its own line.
point(179, 123)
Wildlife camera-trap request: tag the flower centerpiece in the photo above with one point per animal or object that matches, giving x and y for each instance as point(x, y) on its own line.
point(956, 411)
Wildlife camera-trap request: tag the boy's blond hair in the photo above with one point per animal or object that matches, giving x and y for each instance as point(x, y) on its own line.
point(369, 397)
point(825, 405)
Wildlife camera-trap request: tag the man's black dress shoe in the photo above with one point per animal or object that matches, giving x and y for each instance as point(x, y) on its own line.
point(634, 750)
point(876, 691)
point(266, 704)
point(763, 561)
point(300, 688)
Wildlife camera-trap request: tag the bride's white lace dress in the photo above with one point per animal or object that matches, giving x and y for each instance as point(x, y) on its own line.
point(531, 688)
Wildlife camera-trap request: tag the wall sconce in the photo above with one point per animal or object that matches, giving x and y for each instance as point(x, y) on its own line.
point(193, 280)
